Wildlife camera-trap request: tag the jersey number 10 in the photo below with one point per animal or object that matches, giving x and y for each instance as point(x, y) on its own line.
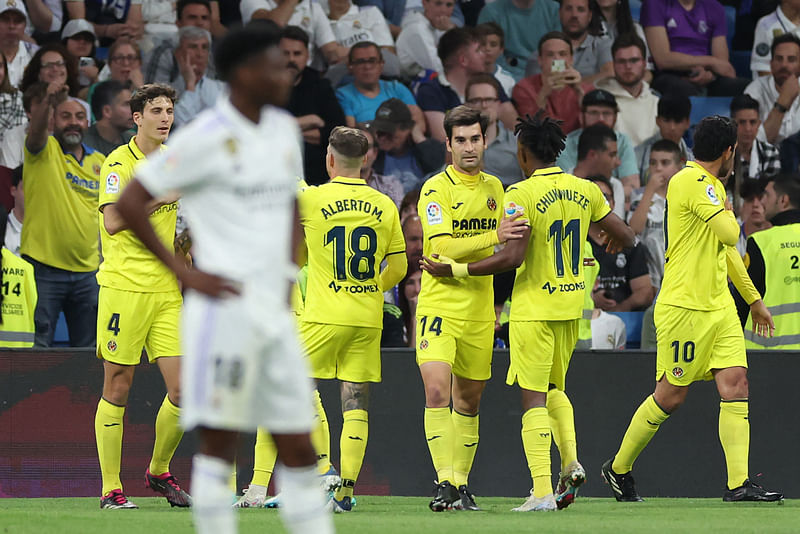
point(358, 261)
point(560, 232)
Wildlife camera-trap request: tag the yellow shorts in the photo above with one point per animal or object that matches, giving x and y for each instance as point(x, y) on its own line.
point(690, 343)
point(465, 345)
point(540, 352)
point(349, 353)
point(128, 321)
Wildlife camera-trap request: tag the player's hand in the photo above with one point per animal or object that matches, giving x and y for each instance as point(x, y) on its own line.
point(763, 325)
point(588, 262)
point(511, 227)
point(208, 284)
point(443, 268)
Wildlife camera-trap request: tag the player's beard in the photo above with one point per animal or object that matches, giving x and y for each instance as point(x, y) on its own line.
point(70, 137)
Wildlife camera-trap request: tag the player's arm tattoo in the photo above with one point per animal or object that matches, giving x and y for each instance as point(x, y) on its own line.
point(355, 396)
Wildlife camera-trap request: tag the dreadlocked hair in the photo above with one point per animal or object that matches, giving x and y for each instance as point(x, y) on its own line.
point(541, 136)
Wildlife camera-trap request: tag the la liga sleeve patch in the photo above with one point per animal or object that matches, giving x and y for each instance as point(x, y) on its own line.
point(112, 184)
point(434, 213)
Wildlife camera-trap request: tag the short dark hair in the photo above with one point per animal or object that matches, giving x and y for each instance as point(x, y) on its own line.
point(491, 28)
point(36, 92)
point(183, 3)
point(482, 78)
point(713, 136)
point(464, 116)
point(787, 184)
point(363, 44)
point(599, 178)
point(349, 142)
point(626, 40)
point(295, 33)
point(752, 189)
point(743, 102)
point(594, 137)
point(555, 35)
point(149, 92)
point(784, 38)
point(674, 107)
point(104, 95)
point(541, 136)
point(410, 199)
point(453, 42)
point(665, 145)
point(241, 44)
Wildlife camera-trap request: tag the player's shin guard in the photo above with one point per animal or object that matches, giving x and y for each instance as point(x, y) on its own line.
point(212, 496)
point(465, 444)
point(734, 434)
point(439, 434)
point(168, 436)
point(536, 441)
point(352, 446)
point(645, 423)
point(302, 502)
point(264, 462)
point(108, 434)
point(321, 437)
point(562, 423)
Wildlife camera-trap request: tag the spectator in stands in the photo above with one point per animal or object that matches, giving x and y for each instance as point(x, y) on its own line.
point(404, 152)
point(525, 23)
point(12, 119)
point(751, 212)
point(408, 206)
point(591, 53)
point(197, 90)
point(13, 233)
point(305, 14)
point(608, 331)
point(52, 64)
point(418, 40)
point(598, 156)
point(646, 216)
point(754, 158)
point(600, 106)
point(124, 63)
point(493, 42)
point(13, 147)
point(559, 88)
point(113, 124)
point(17, 51)
point(615, 19)
point(47, 18)
point(785, 19)
point(672, 121)
point(352, 24)
point(623, 283)
point(361, 98)
point(690, 48)
point(78, 38)
point(409, 289)
point(412, 231)
point(162, 63)
point(638, 104)
point(59, 237)
point(392, 10)
point(312, 102)
point(111, 20)
point(388, 185)
point(500, 156)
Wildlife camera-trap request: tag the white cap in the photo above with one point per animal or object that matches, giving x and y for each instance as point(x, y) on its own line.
point(76, 26)
point(18, 5)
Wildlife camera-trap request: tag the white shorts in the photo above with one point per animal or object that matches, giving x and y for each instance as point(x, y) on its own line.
point(243, 367)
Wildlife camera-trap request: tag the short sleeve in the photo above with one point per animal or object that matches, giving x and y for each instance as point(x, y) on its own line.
point(402, 92)
point(627, 157)
point(604, 51)
point(306, 198)
point(114, 176)
point(248, 7)
point(380, 29)
point(703, 198)
point(717, 18)
point(434, 211)
point(430, 98)
point(760, 56)
point(49, 151)
point(652, 13)
point(323, 33)
point(598, 203)
point(346, 103)
point(515, 201)
point(636, 198)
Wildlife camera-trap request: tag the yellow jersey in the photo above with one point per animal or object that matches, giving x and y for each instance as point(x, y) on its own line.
point(60, 227)
point(695, 269)
point(448, 206)
point(349, 229)
point(550, 284)
point(128, 264)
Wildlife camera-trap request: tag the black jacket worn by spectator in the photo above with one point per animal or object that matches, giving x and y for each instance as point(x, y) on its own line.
point(314, 96)
point(617, 270)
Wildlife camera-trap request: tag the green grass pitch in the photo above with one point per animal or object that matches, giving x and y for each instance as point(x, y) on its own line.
point(390, 515)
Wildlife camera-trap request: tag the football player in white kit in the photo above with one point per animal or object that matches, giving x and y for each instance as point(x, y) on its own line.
point(236, 169)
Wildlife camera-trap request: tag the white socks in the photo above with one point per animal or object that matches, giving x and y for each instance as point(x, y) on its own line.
point(212, 496)
point(302, 501)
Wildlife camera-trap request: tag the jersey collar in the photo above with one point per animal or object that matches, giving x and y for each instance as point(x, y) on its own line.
point(134, 149)
point(547, 171)
point(697, 166)
point(348, 180)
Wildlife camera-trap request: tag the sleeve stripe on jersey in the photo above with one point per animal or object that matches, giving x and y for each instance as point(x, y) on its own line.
point(437, 235)
point(604, 216)
point(396, 252)
point(103, 205)
point(715, 214)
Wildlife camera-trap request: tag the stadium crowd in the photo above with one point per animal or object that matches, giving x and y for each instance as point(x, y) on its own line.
point(627, 91)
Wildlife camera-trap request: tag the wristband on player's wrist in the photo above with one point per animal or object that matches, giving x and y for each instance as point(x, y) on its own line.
point(460, 270)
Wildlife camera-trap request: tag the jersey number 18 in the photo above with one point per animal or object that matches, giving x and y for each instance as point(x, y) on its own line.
point(358, 261)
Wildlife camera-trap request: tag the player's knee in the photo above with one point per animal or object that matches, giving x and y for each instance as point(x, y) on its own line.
point(735, 388)
point(437, 396)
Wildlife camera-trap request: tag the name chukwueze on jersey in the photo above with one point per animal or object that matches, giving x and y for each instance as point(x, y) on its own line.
point(554, 195)
point(351, 204)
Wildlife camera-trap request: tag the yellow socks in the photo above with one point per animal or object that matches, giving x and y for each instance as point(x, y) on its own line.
point(439, 434)
point(352, 446)
point(645, 423)
point(108, 434)
point(562, 423)
point(734, 434)
point(321, 437)
point(465, 443)
point(265, 455)
point(536, 441)
point(168, 436)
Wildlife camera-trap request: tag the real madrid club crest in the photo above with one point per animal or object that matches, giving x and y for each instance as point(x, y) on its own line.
point(231, 146)
point(491, 203)
point(356, 24)
point(621, 260)
point(306, 22)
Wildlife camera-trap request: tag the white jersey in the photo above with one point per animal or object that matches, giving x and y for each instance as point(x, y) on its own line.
point(360, 24)
point(237, 181)
point(767, 29)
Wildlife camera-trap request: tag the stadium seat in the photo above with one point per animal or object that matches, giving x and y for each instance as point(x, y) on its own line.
point(633, 327)
point(703, 106)
point(740, 59)
point(730, 21)
point(61, 335)
point(636, 9)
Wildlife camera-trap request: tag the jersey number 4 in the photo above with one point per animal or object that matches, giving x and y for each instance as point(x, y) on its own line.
point(560, 232)
point(353, 255)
